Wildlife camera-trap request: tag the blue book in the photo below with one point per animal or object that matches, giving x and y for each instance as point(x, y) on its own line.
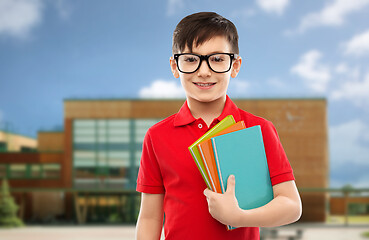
point(242, 154)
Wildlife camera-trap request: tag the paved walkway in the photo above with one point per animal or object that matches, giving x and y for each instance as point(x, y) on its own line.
point(69, 233)
point(310, 232)
point(327, 232)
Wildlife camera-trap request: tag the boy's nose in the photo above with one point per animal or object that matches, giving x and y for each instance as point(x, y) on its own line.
point(204, 69)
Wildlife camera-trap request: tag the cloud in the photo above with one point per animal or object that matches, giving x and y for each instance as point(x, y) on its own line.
point(162, 89)
point(237, 87)
point(19, 17)
point(341, 68)
point(344, 70)
point(358, 45)
point(275, 82)
point(273, 6)
point(354, 90)
point(333, 14)
point(64, 9)
point(243, 13)
point(315, 74)
point(349, 174)
point(174, 6)
point(363, 182)
point(349, 143)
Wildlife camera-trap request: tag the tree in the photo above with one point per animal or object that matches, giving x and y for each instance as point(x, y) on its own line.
point(8, 208)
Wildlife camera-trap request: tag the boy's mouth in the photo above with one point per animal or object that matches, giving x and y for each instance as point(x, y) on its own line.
point(204, 84)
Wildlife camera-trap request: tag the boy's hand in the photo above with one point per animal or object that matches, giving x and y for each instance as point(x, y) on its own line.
point(224, 207)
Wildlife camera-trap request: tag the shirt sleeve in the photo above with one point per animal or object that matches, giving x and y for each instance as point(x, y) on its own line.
point(279, 167)
point(149, 178)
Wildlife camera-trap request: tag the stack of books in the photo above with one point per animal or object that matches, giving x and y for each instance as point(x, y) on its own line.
point(231, 148)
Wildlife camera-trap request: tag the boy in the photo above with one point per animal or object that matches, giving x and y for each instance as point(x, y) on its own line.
point(205, 48)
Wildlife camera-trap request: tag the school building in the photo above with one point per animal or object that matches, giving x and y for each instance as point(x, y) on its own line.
point(87, 172)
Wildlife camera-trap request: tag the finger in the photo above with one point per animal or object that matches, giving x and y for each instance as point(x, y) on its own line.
point(231, 184)
point(207, 192)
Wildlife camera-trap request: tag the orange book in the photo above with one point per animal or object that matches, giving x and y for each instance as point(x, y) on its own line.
point(207, 155)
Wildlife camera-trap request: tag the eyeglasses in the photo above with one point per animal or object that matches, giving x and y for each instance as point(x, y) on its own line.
point(217, 62)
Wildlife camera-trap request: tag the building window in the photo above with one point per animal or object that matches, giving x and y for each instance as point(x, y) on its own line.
point(105, 152)
point(27, 149)
point(30, 171)
point(3, 147)
point(51, 170)
point(18, 171)
point(36, 171)
point(141, 127)
point(101, 153)
point(358, 208)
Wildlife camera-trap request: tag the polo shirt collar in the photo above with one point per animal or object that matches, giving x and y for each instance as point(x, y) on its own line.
point(185, 117)
point(230, 108)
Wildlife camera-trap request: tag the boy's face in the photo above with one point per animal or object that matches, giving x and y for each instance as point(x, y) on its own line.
point(204, 85)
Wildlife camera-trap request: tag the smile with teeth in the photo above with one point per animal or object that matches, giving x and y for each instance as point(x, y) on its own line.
point(204, 84)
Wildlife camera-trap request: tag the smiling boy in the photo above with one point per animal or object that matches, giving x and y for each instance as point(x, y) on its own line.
point(205, 57)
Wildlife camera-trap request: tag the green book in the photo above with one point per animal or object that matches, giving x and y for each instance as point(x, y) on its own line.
point(225, 123)
point(242, 154)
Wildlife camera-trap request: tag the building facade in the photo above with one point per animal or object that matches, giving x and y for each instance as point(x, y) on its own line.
point(12, 142)
point(89, 170)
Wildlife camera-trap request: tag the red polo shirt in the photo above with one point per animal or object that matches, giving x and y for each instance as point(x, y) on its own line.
point(167, 167)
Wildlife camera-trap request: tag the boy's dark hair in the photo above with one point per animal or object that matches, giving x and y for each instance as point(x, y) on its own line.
point(200, 27)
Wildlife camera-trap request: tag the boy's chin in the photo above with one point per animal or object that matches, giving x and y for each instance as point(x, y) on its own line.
point(208, 99)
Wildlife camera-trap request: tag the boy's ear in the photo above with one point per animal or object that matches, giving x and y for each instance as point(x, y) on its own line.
point(173, 67)
point(236, 66)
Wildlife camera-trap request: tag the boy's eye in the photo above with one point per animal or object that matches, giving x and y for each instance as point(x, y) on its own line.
point(190, 59)
point(217, 58)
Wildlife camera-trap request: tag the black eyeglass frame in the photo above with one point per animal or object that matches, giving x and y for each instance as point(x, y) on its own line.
point(233, 56)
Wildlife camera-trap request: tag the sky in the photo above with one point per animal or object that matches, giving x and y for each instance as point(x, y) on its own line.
point(52, 50)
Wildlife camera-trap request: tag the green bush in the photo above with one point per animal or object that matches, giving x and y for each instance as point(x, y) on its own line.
point(365, 234)
point(8, 208)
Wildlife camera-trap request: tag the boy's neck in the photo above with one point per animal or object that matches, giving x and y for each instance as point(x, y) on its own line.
point(208, 111)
